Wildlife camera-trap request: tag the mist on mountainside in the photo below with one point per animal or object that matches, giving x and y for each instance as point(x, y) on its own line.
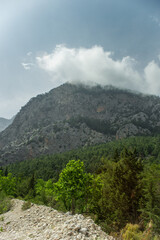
point(92, 66)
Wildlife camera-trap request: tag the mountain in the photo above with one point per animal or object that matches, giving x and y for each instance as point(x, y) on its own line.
point(4, 123)
point(73, 116)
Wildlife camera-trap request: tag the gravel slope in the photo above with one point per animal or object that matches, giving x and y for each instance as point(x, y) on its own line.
point(42, 223)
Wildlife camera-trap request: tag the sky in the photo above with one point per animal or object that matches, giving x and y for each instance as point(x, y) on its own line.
point(45, 43)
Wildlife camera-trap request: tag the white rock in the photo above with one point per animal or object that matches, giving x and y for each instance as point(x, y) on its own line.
point(84, 231)
point(43, 223)
point(77, 227)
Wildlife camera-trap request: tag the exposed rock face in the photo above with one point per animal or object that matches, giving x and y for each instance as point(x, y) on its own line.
point(41, 222)
point(131, 130)
point(73, 116)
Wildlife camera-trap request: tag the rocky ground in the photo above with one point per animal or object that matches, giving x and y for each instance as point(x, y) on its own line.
point(44, 223)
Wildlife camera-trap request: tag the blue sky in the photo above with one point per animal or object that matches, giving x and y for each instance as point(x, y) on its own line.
point(44, 43)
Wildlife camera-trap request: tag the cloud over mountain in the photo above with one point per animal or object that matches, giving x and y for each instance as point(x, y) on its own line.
point(96, 66)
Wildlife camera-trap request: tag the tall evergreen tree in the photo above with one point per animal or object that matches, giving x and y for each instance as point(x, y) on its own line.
point(122, 189)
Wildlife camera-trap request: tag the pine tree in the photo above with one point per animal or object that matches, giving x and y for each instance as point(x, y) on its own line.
point(124, 189)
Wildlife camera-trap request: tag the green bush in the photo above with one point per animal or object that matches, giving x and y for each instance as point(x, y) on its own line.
point(26, 205)
point(5, 203)
point(131, 232)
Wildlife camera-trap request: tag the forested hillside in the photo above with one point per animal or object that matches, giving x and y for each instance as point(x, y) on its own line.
point(148, 148)
point(116, 183)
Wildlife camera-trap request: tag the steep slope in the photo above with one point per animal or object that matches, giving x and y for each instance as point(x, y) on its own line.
point(72, 116)
point(4, 123)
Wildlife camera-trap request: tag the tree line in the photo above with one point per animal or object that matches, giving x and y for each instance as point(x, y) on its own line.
point(122, 194)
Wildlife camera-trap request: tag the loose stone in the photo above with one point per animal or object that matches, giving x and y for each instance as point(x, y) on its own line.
point(41, 222)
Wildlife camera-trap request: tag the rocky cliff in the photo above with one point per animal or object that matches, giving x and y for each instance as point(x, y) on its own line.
point(72, 116)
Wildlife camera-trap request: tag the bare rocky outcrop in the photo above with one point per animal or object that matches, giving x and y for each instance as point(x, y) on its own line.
point(73, 116)
point(42, 223)
point(131, 130)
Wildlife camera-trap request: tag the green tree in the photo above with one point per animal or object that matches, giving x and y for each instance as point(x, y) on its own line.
point(122, 189)
point(72, 184)
point(126, 186)
point(151, 189)
point(44, 190)
point(31, 187)
point(95, 195)
point(8, 184)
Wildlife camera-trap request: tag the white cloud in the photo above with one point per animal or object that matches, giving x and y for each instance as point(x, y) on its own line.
point(95, 66)
point(152, 78)
point(27, 66)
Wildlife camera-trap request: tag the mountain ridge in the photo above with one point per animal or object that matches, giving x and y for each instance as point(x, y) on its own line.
point(72, 116)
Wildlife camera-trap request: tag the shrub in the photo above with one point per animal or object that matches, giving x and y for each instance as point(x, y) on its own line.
point(5, 203)
point(131, 232)
point(26, 205)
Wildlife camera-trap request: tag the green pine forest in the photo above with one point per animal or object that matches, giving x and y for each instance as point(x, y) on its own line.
point(117, 184)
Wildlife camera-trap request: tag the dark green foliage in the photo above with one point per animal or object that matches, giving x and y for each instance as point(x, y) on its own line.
point(122, 191)
point(31, 186)
point(46, 167)
point(102, 126)
point(120, 186)
point(22, 187)
point(126, 189)
point(6, 171)
point(151, 207)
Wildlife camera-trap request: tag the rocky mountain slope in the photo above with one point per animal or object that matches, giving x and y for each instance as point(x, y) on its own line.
point(73, 116)
point(4, 123)
point(41, 222)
